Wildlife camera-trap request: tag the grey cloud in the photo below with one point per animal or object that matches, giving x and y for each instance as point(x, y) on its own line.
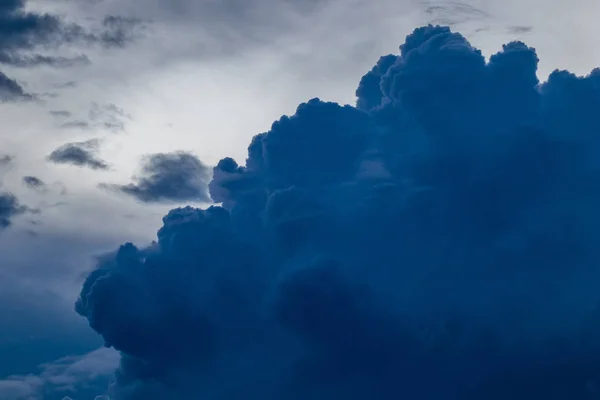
point(81, 154)
point(119, 30)
point(519, 29)
point(64, 85)
point(34, 183)
point(6, 159)
point(220, 28)
point(10, 90)
point(453, 13)
point(108, 116)
point(60, 113)
point(24, 31)
point(168, 177)
point(77, 124)
point(34, 60)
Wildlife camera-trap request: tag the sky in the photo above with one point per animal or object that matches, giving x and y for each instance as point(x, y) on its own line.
point(116, 112)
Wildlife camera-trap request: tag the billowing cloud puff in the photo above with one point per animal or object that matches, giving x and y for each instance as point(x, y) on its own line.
point(438, 240)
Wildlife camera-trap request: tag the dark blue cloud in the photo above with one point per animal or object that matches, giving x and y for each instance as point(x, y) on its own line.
point(81, 154)
point(168, 177)
point(439, 240)
point(10, 207)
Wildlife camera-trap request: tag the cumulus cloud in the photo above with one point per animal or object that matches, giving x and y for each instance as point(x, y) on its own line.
point(81, 154)
point(438, 240)
point(168, 177)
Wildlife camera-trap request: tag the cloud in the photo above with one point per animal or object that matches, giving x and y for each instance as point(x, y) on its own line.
point(10, 90)
point(518, 29)
point(438, 240)
point(34, 183)
point(168, 177)
point(108, 117)
point(81, 375)
point(25, 31)
point(66, 85)
point(60, 113)
point(77, 124)
point(81, 154)
point(120, 31)
point(10, 207)
point(6, 159)
point(453, 13)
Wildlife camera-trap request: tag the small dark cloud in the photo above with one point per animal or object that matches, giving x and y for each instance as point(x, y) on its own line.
point(81, 154)
point(60, 113)
point(34, 183)
point(519, 29)
point(10, 90)
point(6, 159)
point(65, 85)
point(168, 177)
point(76, 125)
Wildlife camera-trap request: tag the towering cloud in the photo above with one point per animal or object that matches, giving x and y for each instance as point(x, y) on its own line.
point(438, 240)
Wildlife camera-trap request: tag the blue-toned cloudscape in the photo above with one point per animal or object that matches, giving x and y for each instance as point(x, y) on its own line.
point(437, 239)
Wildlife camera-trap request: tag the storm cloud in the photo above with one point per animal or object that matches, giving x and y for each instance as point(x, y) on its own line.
point(437, 240)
